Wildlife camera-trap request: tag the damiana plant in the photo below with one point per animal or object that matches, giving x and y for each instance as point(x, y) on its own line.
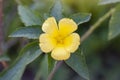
point(60, 40)
point(49, 26)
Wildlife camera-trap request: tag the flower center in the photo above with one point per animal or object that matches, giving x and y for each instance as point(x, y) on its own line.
point(60, 39)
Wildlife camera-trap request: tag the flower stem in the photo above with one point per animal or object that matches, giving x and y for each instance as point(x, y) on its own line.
point(96, 25)
point(84, 37)
point(54, 70)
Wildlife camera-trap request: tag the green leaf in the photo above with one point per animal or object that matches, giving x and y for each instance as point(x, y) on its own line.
point(28, 17)
point(40, 5)
point(102, 2)
point(4, 58)
point(51, 63)
point(28, 32)
point(56, 10)
point(27, 55)
point(78, 64)
point(46, 67)
point(114, 24)
point(80, 18)
point(39, 71)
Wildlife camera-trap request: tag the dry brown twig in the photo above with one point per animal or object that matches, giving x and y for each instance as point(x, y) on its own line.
point(2, 34)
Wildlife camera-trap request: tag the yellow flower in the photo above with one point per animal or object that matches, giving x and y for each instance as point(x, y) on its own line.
point(59, 39)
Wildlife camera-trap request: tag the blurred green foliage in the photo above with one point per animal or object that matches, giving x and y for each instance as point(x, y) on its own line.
point(102, 55)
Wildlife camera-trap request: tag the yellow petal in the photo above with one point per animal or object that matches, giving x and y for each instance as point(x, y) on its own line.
point(50, 26)
point(67, 26)
point(59, 53)
point(72, 42)
point(47, 43)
